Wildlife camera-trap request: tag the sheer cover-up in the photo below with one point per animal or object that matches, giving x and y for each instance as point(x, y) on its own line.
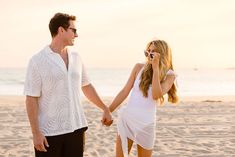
point(137, 119)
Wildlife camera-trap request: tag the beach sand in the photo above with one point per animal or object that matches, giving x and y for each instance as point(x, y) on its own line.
point(196, 127)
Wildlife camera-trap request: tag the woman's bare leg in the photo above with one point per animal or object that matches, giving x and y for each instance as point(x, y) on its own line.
point(144, 152)
point(119, 151)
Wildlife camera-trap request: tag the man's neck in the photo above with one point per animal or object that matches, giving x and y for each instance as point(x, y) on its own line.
point(58, 47)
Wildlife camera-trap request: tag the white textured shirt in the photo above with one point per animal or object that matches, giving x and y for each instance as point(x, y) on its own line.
point(58, 90)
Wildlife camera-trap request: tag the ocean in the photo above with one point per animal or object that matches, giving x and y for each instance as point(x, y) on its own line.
point(108, 82)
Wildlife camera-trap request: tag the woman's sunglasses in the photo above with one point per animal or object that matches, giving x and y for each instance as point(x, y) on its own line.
point(147, 53)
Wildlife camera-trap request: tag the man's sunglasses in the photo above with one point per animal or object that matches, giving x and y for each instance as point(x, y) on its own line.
point(74, 30)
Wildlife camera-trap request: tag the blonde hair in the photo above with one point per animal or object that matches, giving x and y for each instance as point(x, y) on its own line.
point(165, 64)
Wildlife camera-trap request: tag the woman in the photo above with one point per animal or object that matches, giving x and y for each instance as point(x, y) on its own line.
point(149, 82)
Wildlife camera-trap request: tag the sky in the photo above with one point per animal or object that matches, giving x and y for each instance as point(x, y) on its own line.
point(114, 33)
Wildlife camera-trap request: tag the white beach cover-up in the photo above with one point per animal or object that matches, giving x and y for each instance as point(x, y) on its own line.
point(137, 119)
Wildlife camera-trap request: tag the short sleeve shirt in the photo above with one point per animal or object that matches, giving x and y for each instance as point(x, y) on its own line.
point(58, 90)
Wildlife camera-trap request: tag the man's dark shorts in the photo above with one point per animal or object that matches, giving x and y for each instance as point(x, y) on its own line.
point(66, 145)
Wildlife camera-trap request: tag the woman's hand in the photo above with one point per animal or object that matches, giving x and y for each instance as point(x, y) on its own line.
point(155, 60)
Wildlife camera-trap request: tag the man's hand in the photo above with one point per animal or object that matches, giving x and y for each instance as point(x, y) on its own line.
point(107, 117)
point(40, 141)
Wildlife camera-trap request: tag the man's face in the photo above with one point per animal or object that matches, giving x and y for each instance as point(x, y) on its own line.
point(70, 34)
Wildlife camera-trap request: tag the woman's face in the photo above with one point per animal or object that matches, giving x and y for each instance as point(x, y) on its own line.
point(149, 52)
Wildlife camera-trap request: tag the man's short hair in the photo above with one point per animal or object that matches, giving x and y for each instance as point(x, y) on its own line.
point(60, 20)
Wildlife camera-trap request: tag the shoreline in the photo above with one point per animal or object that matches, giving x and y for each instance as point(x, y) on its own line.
point(9, 99)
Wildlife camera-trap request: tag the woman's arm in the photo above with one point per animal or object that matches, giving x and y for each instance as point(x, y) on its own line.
point(160, 89)
point(126, 90)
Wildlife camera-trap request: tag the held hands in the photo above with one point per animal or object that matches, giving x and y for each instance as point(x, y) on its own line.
point(107, 117)
point(40, 141)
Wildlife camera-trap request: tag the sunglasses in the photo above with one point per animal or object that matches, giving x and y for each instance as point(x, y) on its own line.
point(74, 30)
point(147, 53)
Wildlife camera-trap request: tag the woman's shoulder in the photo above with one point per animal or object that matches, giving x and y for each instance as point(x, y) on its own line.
point(139, 66)
point(171, 72)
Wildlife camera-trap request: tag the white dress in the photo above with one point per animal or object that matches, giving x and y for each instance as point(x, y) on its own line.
point(137, 119)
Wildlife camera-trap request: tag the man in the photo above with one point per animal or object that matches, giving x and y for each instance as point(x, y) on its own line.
point(54, 81)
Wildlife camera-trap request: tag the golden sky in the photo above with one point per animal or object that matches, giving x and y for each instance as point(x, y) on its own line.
point(114, 33)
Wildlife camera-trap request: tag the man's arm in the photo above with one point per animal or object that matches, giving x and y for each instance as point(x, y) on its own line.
point(32, 109)
point(90, 92)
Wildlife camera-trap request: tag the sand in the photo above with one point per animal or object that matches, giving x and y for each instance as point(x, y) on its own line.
point(196, 127)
